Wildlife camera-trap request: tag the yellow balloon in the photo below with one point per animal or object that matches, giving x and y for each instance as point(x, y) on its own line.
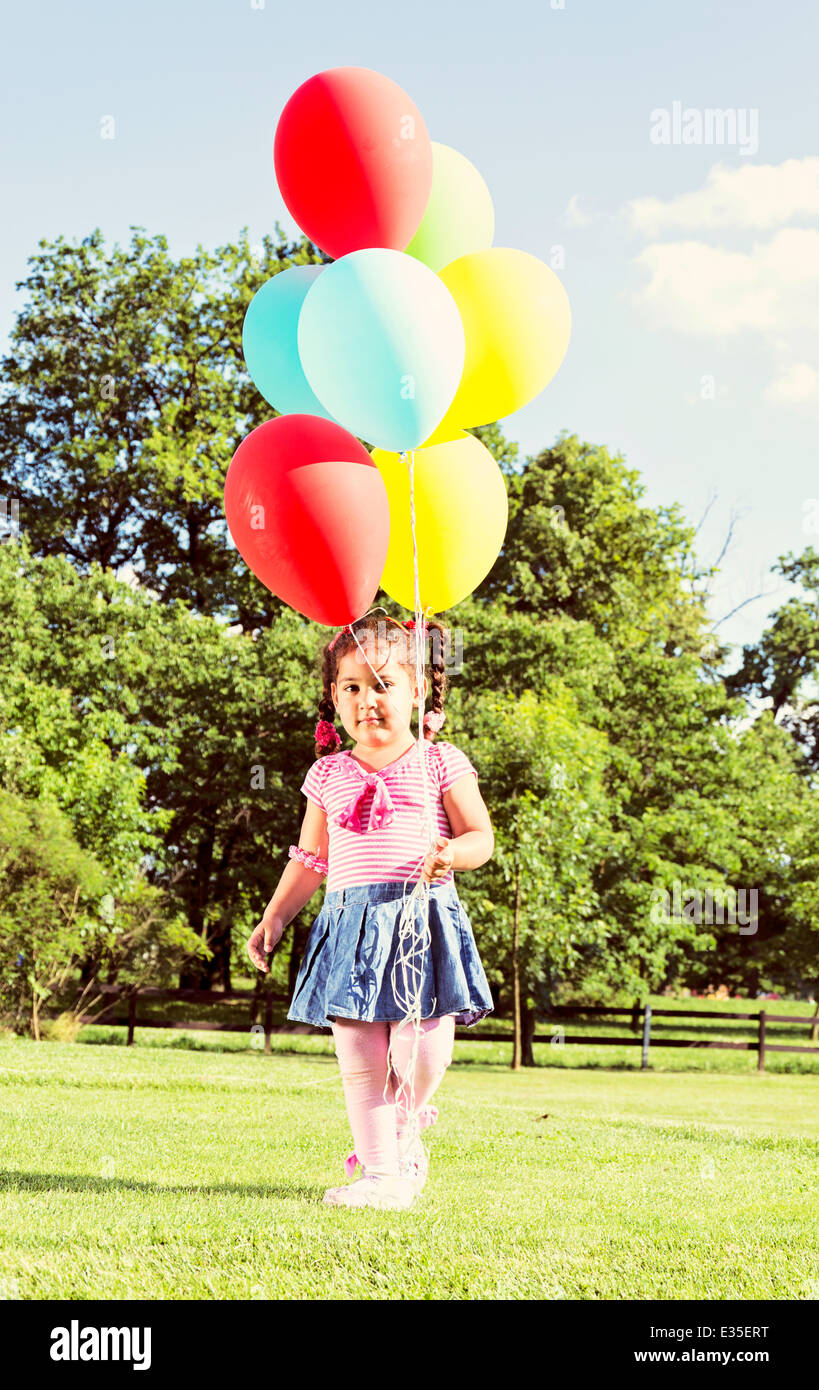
point(461, 512)
point(517, 322)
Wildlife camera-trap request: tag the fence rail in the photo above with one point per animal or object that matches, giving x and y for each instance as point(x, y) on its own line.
point(641, 1021)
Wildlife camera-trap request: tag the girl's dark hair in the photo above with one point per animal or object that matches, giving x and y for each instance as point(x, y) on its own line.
point(381, 632)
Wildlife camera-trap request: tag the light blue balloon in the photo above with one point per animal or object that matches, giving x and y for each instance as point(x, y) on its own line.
point(269, 342)
point(382, 346)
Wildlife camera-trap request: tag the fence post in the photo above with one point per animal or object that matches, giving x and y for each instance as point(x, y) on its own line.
point(131, 1017)
point(760, 1064)
point(646, 1035)
point(268, 1021)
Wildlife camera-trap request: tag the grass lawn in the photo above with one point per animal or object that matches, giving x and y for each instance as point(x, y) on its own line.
point(191, 1166)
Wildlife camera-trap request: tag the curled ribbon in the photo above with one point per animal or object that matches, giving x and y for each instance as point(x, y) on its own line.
point(382, 812)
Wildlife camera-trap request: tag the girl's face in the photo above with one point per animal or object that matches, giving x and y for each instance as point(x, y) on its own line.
point(375, 709)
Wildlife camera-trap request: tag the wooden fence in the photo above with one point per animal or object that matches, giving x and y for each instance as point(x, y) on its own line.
point(640, 1022)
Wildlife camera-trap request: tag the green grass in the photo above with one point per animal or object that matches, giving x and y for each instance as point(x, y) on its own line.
point(196, 1171)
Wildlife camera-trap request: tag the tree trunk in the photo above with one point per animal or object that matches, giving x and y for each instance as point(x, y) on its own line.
point(528, 1034)
point(256, 1001)
point(88, 965)
point(516, 1045)
point(198, 975)
point(218, 968)
point(220, 965)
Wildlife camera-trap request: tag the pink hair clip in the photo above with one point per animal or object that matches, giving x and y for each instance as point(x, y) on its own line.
point(345, 628)
point(433, 719)
point(327, 734)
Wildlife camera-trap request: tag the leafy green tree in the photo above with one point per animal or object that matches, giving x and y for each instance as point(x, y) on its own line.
point(168, 738)
point(580, 543)
point(125, 396)
point(58, 907)
point(785, 661)
point(765, 816)
point(792, 955)
point(535, 906)
point(70, 727)
point(663, 721)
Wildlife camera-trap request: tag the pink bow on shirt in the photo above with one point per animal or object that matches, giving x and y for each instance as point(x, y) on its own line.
point(382, 812)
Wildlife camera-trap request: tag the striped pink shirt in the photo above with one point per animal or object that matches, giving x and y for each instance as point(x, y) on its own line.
point(391, 843)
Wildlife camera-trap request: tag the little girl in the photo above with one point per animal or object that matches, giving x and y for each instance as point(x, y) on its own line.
point(364, 830)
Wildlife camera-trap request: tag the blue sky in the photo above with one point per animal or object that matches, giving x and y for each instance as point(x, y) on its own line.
point(692, 268)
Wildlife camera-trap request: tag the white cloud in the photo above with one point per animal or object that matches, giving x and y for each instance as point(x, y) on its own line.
point(768, 290)
point(755, 197)
point(695, 288)
point(794, 385)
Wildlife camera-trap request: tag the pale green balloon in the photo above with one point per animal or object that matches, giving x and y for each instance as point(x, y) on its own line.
point(459, 218)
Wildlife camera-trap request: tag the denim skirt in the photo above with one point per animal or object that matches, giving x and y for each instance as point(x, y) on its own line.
point(346, 968)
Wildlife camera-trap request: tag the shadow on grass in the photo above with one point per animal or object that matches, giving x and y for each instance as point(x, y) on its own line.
point(39, 1182)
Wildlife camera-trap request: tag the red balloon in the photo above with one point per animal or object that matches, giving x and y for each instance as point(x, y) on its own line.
point(354, 161)
point(308, 512)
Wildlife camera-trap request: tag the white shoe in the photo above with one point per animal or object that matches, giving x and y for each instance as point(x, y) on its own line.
point(374, 1190)
point(414, 1165)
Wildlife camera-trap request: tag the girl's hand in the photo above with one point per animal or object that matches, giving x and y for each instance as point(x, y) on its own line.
point(439, 860)
point(265, 936)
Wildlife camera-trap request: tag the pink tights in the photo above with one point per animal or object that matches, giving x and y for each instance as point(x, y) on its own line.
point(361, 1049)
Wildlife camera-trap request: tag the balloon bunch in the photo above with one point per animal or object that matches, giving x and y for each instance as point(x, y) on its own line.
point(418, 330)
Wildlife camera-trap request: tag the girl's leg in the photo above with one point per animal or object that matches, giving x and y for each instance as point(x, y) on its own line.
point(434, 1056)
point(361, 1049)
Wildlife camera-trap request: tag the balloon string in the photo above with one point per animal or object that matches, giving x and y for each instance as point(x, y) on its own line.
point(412, 943)
point(413, 928)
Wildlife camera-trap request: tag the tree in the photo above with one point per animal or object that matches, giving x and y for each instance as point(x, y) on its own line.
point(771, 817)
point(70, 725)
point(536, 906)
point(58, 906)
point(786, 657)
point(125, 397)
point(667, 727)
point(168, 739)
point(579, 543)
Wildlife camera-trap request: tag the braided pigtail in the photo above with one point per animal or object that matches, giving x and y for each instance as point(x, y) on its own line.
point(438, 646)
point(327, 710)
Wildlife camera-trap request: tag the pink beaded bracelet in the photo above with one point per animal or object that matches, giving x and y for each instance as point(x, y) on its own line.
point(310, 861)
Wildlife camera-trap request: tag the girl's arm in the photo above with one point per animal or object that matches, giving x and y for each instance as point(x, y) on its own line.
point(467, 813)
point(298, 883)
point(295, 887)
